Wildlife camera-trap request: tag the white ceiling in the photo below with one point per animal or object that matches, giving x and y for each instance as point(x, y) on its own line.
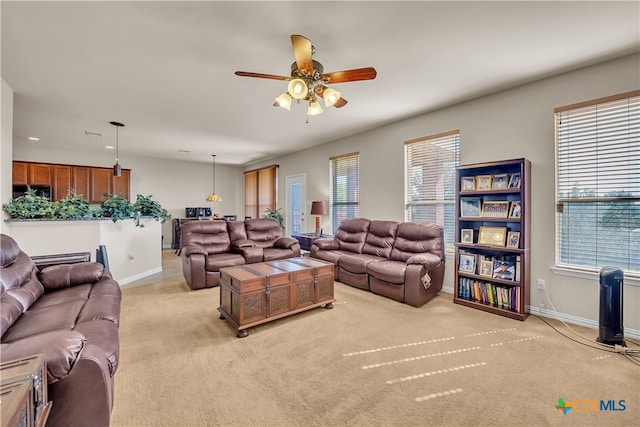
point(166, 69)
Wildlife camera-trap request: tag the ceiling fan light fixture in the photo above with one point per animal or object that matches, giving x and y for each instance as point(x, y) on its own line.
point(331, 96)
point(314, 108)
point(284, 101)
point(298, 89)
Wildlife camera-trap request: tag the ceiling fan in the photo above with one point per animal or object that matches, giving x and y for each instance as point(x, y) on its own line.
point(308, 79)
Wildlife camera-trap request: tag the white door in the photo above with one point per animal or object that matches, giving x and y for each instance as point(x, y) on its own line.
point(296, 201)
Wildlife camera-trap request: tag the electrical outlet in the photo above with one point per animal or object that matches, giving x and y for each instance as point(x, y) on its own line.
point(541, 284)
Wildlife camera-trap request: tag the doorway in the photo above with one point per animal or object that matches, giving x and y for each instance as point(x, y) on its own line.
point(296, 199)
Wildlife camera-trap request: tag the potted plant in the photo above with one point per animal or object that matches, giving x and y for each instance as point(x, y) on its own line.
point(144, 206)
point(270, 213)
point(29, 205)
point(74, 206)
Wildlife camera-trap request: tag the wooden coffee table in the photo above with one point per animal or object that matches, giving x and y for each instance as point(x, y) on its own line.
point(258, 293)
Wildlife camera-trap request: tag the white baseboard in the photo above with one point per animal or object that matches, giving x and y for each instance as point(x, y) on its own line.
point(142, 275)
point(569, 318)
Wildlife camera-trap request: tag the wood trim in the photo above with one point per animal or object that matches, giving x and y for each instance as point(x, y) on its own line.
point(355, 153)
point(437, 135)
point(66, 164)
point(611, 98)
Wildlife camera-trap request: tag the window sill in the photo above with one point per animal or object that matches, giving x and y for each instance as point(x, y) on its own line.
point(592, 275)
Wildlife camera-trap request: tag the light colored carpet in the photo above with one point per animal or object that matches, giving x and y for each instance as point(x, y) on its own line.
point(370, 361)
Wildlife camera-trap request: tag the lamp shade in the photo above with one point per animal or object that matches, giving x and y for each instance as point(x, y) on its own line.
point(298, 88)
point(314, 108)
point(331, 96)
point(318, 208)
point(284, 101)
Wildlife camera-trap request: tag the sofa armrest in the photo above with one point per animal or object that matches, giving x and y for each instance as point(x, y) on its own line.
point(67, 275)
point(252, 255)
point(429, 260)
point(285, 243)
point(242, 243)
point(194, 249)
point(327, 244)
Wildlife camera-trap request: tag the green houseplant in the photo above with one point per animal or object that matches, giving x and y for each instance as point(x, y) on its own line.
point(144, 206)
point(73, 206)
point(29, 205)
point(115, 207)
point(270, 213)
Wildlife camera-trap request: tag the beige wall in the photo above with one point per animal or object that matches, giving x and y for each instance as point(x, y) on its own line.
point(6, 147)
point(511, 124)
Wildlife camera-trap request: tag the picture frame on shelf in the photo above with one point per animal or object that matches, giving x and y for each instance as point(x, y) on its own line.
point(466, 235)
point(516, 209)
point(513, 240)
point(467, 263)
point(492, 236)
point(467, 183)
point(500, 182)
point(514, 180)
point(483, 182)
point(504, 270)
point(486, 268)
point(495, 209)
point(470, 206)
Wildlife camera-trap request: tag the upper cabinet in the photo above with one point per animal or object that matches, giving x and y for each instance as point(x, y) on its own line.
point(25, 173)
point(90, 182)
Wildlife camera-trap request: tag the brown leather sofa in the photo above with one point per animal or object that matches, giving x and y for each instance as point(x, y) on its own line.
point(208, 246)
point(403, 261)
point(70, 313)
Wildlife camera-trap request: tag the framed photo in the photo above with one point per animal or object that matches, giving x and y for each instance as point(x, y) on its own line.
point(500, 182)
point(495, 209)
point(470, 206)
point(483, 182)
point(513, 239)
point(466, 235)
point(486, 268)
point(514, 180)
point(492, 236)
point(515, 210)
point(467, 183)
point(504, 270)
point(467, 263)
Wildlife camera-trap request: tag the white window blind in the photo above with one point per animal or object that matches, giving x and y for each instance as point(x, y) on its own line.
point(430, 179)
point(598, 184)
point(345, 188)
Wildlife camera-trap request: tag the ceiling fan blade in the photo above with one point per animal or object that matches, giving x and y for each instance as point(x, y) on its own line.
point(341, 102)
point(302, 50)
point(368, 73)
point(261, 76)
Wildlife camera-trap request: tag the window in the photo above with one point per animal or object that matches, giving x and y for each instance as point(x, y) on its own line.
point(598, 184)
point(430, 179)
point(345, 188)
point(260, 191)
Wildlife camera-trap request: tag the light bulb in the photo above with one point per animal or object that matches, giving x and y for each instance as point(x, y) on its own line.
point(331, 96)
point(298, 88)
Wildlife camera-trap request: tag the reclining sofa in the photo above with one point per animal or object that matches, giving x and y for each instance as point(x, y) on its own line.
point(207, 246)
point(403, 261)
point(69, 313)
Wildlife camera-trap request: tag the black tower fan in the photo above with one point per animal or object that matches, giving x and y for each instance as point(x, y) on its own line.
point(611, 329)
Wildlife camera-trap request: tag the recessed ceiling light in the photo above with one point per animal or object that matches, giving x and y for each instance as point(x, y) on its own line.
point(33, 138)
point(110, 147)
point(183, 151)
point(90, 133)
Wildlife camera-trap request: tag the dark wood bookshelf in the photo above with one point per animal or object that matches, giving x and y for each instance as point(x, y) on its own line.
point(473, 289)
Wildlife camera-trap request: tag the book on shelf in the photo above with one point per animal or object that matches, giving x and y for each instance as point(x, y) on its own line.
point(499, 296)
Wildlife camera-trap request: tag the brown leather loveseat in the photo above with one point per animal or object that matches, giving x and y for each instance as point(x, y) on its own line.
point(403, 261)
point(208, 246)
point(70, 313)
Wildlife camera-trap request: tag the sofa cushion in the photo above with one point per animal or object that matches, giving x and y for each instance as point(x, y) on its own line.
point(263, 231)
point(271, 254)
point(218, 261)
point(61, 349)
point(38, 320)
point(104, 335)
point(380, 238)
point(357, 263)
point(10, 310)
point(352, 234)
point(415, 237)
point(66, 275)
point(206, 236)
point(330, 256)
point(388, 271)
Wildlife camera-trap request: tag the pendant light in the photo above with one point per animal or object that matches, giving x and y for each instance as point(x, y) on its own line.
point(213, 197)
point(117, 170)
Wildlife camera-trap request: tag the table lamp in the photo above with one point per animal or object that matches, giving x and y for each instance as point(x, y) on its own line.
point(318, 208)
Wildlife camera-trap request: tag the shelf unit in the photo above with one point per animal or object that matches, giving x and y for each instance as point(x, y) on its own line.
point(505, 294)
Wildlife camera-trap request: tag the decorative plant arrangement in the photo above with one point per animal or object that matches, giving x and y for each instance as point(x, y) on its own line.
point(75, 207)
point(269, 213)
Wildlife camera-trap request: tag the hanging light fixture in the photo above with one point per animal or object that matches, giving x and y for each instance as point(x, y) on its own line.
point(117, 170)
point(213, 197)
